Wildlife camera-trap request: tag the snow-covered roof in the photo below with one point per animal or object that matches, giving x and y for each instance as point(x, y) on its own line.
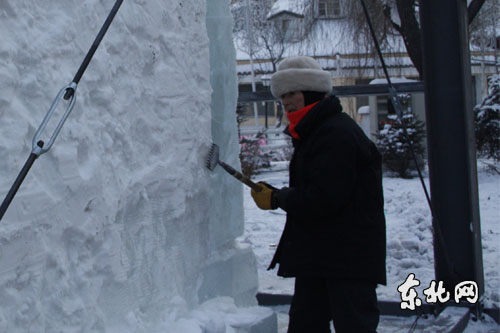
point(293, 7)
point(364, 109)
point(393, 80)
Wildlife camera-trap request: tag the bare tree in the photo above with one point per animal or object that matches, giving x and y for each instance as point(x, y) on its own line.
point(247, 17)
point(273, 38)
point(255, 34)
point(267, 37)
point(357, 31)
point(398, 17)
point(409, 29)
point(474, 8)
point(483, 29)
point(483, 35)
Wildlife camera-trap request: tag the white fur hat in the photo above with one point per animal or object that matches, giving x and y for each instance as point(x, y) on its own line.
point(300, 74)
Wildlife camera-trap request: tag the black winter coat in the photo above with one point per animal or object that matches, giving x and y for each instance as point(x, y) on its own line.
point(335, 225)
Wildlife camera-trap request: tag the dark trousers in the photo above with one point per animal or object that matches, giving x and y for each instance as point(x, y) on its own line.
point(352, 305)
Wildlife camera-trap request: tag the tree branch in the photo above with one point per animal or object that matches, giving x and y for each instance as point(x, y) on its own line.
point(410, 31)
point(387, 14)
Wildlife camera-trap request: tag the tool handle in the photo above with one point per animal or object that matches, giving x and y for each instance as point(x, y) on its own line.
point(19, 180)
point(238, 175)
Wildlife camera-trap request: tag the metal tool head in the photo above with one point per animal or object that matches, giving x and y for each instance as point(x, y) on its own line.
point(213, 157)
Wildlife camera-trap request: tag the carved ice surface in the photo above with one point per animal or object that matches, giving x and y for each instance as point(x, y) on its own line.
point(120, 227)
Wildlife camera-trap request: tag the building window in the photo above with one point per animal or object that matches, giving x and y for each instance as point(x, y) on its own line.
point(328, 8)
point(285, 24)
point(288, 29)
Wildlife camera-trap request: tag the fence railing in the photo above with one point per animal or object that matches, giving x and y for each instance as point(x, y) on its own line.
point(341, 91)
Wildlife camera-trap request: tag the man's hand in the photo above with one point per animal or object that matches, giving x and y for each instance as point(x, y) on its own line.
point(264, 199)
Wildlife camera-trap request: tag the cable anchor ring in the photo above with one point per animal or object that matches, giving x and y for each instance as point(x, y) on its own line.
point(35, 147)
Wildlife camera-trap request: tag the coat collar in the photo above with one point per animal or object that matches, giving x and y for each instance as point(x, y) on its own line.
point(317, 115)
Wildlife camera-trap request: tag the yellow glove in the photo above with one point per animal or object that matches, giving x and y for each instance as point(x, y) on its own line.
point(263, 199)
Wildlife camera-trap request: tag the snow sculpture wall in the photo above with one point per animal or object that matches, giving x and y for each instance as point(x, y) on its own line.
point(118, 227)
point(226, 200)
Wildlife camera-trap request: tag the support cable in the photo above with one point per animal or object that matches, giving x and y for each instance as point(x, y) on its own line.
point(93, 48)
point(396, 103)
point(38, 147)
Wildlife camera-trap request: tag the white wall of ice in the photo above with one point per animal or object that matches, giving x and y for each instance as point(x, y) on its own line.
point(226, 200)
point(120, 225)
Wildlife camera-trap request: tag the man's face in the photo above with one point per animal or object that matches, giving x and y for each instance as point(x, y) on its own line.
point(293, 101)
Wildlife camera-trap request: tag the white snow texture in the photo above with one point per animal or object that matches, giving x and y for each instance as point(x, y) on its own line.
point(117, 228)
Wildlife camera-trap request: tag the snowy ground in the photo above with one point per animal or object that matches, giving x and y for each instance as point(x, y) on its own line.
point(409, 244)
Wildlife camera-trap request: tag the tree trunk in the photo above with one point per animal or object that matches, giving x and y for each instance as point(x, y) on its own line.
point(474, 8)
point(410, 31)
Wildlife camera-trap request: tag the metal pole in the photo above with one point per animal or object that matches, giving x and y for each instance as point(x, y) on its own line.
point(266, 105)
point(451, 142)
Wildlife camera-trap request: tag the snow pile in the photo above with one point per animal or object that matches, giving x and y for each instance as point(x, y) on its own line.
point(216, 315)
point(114, 228)
point(489, 200)
point(409, 236)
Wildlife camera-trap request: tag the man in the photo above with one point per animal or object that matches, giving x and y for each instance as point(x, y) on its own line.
point(333, 242)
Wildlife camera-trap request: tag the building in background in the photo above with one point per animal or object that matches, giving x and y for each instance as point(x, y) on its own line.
point(322, 30)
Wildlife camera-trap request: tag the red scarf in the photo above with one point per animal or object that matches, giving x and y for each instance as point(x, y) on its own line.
point(294, 118)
